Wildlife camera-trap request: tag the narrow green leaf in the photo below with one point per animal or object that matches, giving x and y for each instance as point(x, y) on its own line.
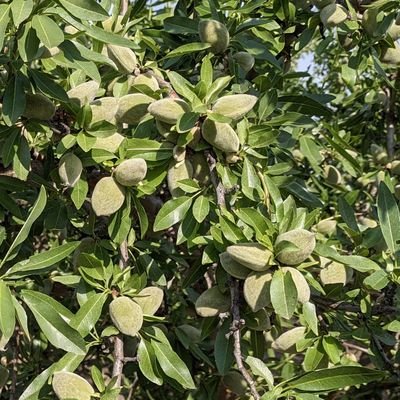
point(47, 31)
point(46, 85)
point(201, 208)
point(79, 193)
point(21, 10)
point(4, 21)
point(7, 312)
point(259, 368)
point(14, 100)
point(147, 362)
point(172, 211)
point(283, 294)
point(85, 9)
point(187, 49)
point(223, 349)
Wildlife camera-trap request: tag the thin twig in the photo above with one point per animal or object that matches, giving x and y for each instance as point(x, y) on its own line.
point(124, 7)
point(218, 186)
point(237, 323)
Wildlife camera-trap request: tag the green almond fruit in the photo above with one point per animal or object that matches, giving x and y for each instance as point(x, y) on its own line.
point(395, 167)
point(168, 110)
point(166, 131)
point(104, 109)
point(131, 172)
point(84, 93)
point(147, 80)
point(220, 135)
point(235, 382)
point(333, 15)
point(326, 227)
point(201, 170)
point(258, 321)
point(127, 315)
point(38, 107)
point(212, 302)
point(245, 60)
point(48, 52)
point(70, 169)
point(123, 57)
point(133, 107)
point(256, 290)
point(235, 106)
point(332, 175)
point(333, 273)
point(112, 24)
point(391, 55)
point(251, 255)
point(107, 197)
point(303, 289)
point(302, 239)
point(214, 33)
point(177, 172)
point(232, 267)
point(110, 143)
point(287, 341)
point(150, 299)
point(67, 385)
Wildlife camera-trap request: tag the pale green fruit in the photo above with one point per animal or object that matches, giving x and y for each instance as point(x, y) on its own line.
point(67, 385)
point(123, 57)
point(168, 110)
point(109, 22)
point(148, 80)
point(107, 197)
point(347, 41)
point(303, 289)
point(48, 52)
point(70, 169)
point(150, 299)
point(214, 33)
point(333, 273)
point(368, 222)
point(220, 135)
point(132, 108)
point(110, 143)
point(38, 107)
point(379, 154)
point(177, 172)
point(332, 175)
point(232, 267)
point(235, 106)
point(166, 131)
point(245, 60)
point(326, 227)
point(212, 302)
point(258, 321)
point(84, 93)
point(287, 341)
point(201, 170)
point(252, 255)
point(302, 239)
point(126, 315)
point(391, 55)
point(235, 382)
point(104, 109)
point(332, 15)
point(179, 153)
point(395, 167)
point(256, 290)
point(131, 172)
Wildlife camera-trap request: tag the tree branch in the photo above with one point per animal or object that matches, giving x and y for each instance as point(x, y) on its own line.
point(237, 323)
point(218, 186)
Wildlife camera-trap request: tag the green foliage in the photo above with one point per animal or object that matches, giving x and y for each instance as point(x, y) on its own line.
point(162, 166)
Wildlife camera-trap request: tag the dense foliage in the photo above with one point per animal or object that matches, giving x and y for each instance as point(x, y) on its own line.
point(185, 213)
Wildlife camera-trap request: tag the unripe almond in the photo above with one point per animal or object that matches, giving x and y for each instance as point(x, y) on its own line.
point(256, 290)
point(123, 57)
point(132, 108)
point(107, 197)
point(131, 172)
point(212, 302)
point(258, 321)
point(84, 93)
point(148, 80)
point(126, 315)
point(168, 110)
point(245, 60)
point(232, 267)
point(220, 135)
point(201, 170)
point(176, 173)
point(391, 55)
point(287, 341)
point(214, 33)
point(251, 255)
point(38, 107)
point(150, 299)
point(166, 131)
point(326, 227)
point(70, 169)
point(302, 239)
point(110, 143)
point(395, 167)
point(333, 273)
point(332, 15)
point(235, 383)
point(67, 385)
point(234, 106)
point(104, 109)
point(332, 175)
